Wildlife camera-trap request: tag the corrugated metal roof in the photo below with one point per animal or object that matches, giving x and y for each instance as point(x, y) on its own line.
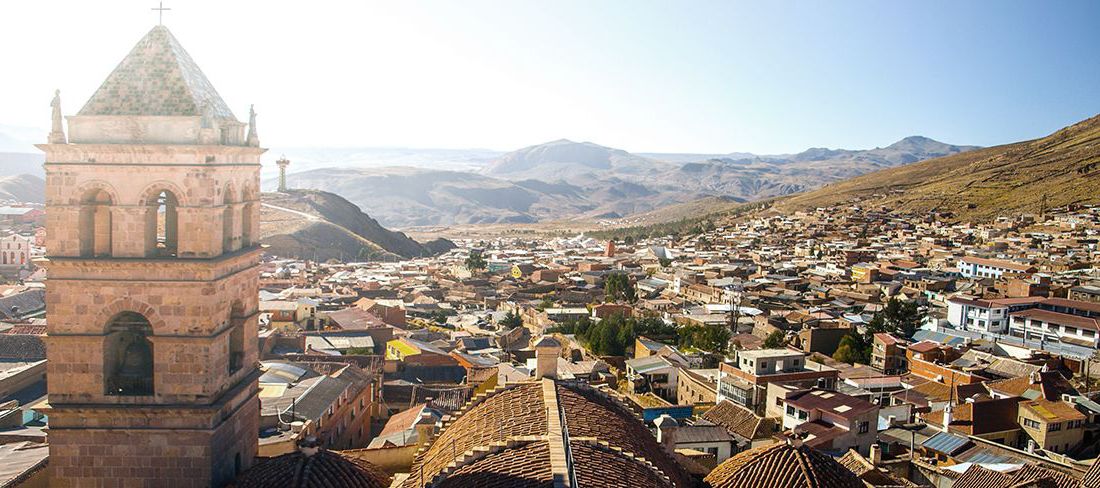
point(987, 457)
point(946, 443)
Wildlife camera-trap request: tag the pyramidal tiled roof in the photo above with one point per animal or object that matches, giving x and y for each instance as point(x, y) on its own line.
point(158, 77)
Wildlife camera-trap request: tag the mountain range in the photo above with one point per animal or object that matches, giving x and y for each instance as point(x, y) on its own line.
point(581, 180)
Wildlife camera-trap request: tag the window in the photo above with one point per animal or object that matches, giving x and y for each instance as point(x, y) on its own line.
point(764, 364)
point(778, 401)
point(1031, 424)
point(1054, 427)
point(236, 337)
point(803, 415)
point(790, 411)
point(162, 225)
point(95, 224)
point(229, 239)
point(864, 427)
point(128, 361)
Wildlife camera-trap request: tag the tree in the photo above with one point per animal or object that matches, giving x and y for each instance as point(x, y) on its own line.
point(475, 261)
point(511, 320)
point(618, 286)
point(665, 262)
point(546, 303)
point(775, 340)
point(903, 318)
point(853, 349)
point(615, 335)
point(709, 338)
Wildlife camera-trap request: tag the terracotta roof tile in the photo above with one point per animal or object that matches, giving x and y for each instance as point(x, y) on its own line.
point(782, 466)
point(526, 466)
point(321, 470)
point(740, 421)
point(1092, 477)
point(504, 439)
point(599, 465)
point(979, 477)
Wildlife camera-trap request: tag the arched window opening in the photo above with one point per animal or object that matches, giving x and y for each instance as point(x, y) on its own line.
point(236, 337)
point(95, 224)
point(246, 224)
point(163, 223)
point(228, 234)
point(128, 365)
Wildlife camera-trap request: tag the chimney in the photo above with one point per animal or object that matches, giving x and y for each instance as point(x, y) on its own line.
point(663, 422)
point(425, 428)
point(876, 454)
point(1030, 446)
point(547, 351)
point(947, 417)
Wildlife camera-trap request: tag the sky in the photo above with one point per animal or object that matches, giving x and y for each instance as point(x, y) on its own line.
point(718, 76)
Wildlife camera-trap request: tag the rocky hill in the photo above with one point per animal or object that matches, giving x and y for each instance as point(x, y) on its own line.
point(17, 163)
point(320, 225)
point(1062, 168)
point(23, 188)
point(552, 160)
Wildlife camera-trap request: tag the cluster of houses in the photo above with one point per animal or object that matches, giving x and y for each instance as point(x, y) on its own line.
point(373, 358)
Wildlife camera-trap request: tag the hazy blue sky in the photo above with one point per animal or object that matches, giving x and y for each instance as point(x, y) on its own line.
point(671, 76)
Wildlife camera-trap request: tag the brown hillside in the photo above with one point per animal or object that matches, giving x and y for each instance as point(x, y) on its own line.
point(983, 184)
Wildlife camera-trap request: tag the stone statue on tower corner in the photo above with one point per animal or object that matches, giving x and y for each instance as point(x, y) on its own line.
point(253, 136)
point(57, 131)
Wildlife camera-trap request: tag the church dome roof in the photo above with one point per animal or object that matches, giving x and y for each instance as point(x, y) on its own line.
point(783, 465)
point(526, 434)
point(322, 468)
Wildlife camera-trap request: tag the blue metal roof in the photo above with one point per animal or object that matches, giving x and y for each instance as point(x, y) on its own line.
point(940, 337)
point(986, 457)
point(946, 443)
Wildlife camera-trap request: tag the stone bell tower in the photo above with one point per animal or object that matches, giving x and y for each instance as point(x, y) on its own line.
point(152, 217)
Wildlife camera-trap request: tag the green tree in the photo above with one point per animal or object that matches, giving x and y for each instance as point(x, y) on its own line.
point(546, 303)
point(617, 286)
point(476, 261)
point(853, 348)
point(511, 320)
point(775, 340)
point(709, 338)
point(665, 262)
point(902, 318)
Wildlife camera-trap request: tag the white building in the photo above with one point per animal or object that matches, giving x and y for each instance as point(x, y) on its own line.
point(1059, 320)
point(990, 316)
point(974, 267)
point(15, 251)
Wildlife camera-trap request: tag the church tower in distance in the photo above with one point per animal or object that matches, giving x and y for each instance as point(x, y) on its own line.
point(152, 220)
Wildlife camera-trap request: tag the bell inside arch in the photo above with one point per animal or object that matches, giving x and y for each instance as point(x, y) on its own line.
point(130, 356)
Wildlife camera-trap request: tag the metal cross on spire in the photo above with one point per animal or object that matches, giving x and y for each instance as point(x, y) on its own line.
point(160, 12)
